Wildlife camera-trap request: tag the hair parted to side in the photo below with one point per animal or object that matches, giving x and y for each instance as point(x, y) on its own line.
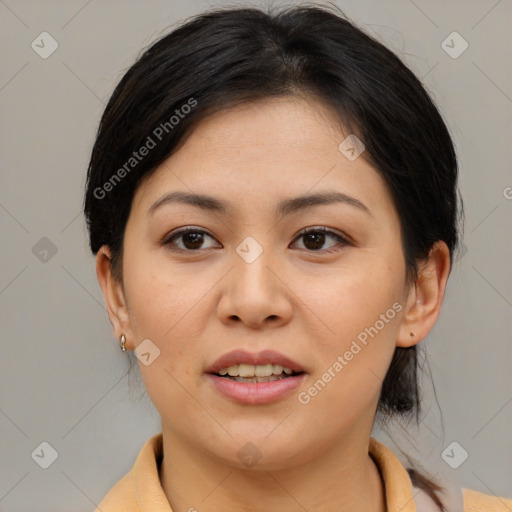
point(227, 57)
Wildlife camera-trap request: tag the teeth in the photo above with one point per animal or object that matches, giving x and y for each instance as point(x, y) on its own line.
point(246, 370)
point(277, 369)
point(263, 370)
point(251, 370)
point(233, 371)
point(259, 379)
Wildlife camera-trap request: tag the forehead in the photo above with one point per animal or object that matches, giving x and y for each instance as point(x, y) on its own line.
point(274, 148)
point(276, 123)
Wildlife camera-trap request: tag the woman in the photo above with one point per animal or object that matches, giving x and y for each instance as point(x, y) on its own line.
point(273, 237)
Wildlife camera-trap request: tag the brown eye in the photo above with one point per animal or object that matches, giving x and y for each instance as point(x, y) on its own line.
point(191, 239)
point(315, 238)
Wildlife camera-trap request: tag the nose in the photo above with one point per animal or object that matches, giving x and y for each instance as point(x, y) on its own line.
point(256, 294)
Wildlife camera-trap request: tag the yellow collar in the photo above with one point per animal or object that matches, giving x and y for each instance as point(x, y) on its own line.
point(141, 490)
point(150, 495)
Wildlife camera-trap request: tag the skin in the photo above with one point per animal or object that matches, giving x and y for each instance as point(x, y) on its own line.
point(307, 304)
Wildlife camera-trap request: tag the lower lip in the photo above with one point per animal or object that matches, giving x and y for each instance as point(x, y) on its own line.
point(256, 392)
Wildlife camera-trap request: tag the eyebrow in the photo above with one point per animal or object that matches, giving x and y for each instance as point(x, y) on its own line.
point(285, 207)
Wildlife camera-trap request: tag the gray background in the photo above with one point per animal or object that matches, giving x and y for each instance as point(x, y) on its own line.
point(62, 375)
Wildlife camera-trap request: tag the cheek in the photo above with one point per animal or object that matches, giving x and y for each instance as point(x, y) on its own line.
point(166, 307)
point(160, 297)
point(358, 312)
point(352, 363)
point(352, 298)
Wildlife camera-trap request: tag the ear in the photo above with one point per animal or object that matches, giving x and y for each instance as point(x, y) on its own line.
point(114, 296)
point(425, 298)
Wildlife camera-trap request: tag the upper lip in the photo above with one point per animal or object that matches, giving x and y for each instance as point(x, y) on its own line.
point(256, 358)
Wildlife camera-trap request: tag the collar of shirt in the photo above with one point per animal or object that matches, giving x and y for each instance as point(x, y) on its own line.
point(140, 490)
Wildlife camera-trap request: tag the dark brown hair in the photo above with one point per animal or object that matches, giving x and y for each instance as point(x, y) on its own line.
point(226, 57)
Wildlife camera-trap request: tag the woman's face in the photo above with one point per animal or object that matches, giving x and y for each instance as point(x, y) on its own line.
point(247, 279)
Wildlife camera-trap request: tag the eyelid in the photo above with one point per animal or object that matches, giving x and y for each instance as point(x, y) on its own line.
point(323, 229)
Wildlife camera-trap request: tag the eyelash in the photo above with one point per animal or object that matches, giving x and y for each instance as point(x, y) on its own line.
point(182, 231)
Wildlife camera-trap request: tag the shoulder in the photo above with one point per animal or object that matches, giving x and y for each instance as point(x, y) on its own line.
point(120, 497)
point(400, 489)
point(479, 502)
point(140, 488)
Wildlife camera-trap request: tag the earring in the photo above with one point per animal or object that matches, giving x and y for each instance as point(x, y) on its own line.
point(412, 335)
point(123, 341)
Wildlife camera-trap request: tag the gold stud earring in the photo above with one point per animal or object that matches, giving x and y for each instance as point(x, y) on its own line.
point(412, 335)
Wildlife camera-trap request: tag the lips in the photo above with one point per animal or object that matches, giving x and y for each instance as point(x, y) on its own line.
point(255, 390)
point(237, 357)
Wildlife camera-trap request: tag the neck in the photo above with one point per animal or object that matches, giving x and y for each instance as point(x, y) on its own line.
point(344, 478)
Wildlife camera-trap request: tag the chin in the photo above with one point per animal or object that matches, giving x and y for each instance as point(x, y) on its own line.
point(261, 453)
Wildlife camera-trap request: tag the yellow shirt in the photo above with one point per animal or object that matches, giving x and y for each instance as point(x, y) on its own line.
point(140, 489)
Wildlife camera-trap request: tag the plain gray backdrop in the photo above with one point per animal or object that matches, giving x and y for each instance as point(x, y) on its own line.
point(62, 378)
